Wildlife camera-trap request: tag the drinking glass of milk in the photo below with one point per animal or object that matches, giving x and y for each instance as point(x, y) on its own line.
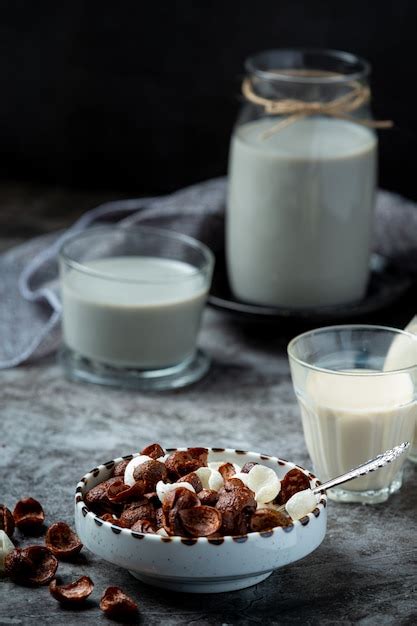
point(302, 176)
point(132, 303)
point(353, 406)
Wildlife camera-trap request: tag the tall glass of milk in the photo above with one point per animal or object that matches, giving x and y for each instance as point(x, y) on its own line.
point(301, 188)
point(132, 301)
point(352, 406)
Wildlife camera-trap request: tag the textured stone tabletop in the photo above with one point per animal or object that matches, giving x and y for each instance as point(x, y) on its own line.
point(52, 431)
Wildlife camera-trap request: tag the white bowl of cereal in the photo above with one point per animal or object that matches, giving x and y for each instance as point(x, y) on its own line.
point(199, 520)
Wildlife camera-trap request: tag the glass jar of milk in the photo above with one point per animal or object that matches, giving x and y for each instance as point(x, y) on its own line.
point(302, 186)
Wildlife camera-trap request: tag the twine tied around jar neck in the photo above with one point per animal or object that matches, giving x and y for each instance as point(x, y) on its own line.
point(357, 96)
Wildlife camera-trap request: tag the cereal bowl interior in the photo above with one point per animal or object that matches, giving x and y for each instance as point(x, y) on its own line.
point(202, 564)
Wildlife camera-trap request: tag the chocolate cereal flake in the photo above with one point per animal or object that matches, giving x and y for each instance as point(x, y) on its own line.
point(227, 470)
point(120, 493)
point(96, 498)
point(62, 541)
point(208, 497)
point(119, 469)
point(154, 450)
point(159, 518)
point(29, 516)
point(107, 517)
point(183, 462)
point(150, 473)
point(74, 593)
point(135, 511)
point(193, 479)
point(237, 504)
point(174, 502)
point(116, 604)
point(265, 519)
point(143, 526)
point(35, 565)
point(201, 521)
point(294, 481)
point(248, 466)
point(6, 520)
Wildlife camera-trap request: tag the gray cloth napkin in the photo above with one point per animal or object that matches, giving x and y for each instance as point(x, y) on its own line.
point(30, 307)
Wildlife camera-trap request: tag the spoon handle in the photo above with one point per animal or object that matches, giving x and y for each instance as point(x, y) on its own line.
point(365, 468)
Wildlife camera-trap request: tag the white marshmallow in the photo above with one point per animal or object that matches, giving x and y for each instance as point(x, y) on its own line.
point(301, 503)
point(162, 532)
point(131, 466)
point(162, 459)
point(162, 489)
point(264, 483)
point(214, 465)
point(243, 476)
point(6, 546)
point(210, 478)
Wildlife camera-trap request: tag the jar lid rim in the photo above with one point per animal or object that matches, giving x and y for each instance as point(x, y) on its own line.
point(296, 59)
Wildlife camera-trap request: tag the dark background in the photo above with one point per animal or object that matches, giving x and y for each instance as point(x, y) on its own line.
point(141, 97)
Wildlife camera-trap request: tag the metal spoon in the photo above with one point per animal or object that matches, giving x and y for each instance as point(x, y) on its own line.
point(370, 466)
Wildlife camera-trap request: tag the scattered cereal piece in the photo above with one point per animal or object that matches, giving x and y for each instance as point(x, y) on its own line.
point(35, 565)
point(210, 479)
point(132, 465)
point(116, 604)
point(28, 515)
point(162, 489)
point(62, 541)
point(6, 546)
point(74, 593)
point(6, 520)
point(264, 483)
point(300, 504)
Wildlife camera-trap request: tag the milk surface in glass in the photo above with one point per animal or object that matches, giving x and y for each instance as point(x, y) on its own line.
point(299, 214)
point(146, 316)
